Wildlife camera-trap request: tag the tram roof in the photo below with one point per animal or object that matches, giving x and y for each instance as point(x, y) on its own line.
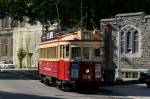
point(69, 37)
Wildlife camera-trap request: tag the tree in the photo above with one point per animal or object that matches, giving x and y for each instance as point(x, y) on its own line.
point(70, 10)
point(21, 53)
point(94, 10)
point(4, 8)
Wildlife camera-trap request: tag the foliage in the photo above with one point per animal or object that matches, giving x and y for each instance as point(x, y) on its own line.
point(21, 53)
point(70, 10)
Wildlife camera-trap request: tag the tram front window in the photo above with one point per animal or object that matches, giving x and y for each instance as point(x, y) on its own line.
point(76, 52)
point(97, 52)
point(86, 53)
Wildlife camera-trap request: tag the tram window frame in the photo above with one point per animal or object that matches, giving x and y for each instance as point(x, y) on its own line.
point(62, 51)
point(41, 53)
point(74, 54)
point(57, 53)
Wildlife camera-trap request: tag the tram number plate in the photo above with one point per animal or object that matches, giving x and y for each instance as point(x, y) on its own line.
point(86, 77)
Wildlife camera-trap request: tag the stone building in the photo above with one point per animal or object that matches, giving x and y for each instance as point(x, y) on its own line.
point(28, 38)
point(134, 29)
point(14, 35)
point(6, 39)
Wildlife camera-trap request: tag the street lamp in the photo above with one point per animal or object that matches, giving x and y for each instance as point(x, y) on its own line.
point(118, 71)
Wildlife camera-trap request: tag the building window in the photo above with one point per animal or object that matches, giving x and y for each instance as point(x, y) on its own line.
point(5, 22)
point(129, 40)
point(122, 42)
point(136, 42)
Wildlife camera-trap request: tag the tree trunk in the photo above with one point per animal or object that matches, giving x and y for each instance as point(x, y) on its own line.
point(20, 63)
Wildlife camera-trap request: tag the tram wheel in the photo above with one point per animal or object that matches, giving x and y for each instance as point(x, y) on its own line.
point(42, 79)
point(50, 84)
point(58, 85)
point(65, 87)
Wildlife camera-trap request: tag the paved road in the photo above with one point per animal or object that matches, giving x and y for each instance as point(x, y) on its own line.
point(137, 91)
point(17, 84)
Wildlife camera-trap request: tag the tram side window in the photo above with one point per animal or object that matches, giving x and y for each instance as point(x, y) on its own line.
point(45, 52)
point(53, 52)
point(48, 52)
point(42, 53)
point(67, 51)
point(76, 52)
point(87, 35)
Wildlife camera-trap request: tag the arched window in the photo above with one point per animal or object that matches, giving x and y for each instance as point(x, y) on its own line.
point(122, 42)
point(136, 42)
point(129, 40)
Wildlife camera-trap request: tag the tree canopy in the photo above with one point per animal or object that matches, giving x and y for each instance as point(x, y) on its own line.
point(69, 11)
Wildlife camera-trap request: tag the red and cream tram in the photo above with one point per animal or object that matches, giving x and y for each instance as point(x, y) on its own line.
point(73, 58)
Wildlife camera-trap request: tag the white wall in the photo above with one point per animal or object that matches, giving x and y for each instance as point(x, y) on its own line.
point(27, 37)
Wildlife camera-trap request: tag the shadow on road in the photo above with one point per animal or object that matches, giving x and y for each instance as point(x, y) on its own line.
point(10, 95)
point(19, 75)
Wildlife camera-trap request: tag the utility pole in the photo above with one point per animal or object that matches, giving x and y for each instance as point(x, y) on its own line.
point(81, 4)
point(58, 17)
point(118, 72)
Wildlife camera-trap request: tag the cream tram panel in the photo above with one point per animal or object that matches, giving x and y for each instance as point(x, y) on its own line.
point(85, 44)
point(53, 44)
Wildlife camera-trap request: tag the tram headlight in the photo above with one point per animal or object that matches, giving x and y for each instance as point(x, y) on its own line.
point(87, 71)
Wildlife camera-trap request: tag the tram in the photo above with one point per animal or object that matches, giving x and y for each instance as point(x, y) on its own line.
point(71, 59)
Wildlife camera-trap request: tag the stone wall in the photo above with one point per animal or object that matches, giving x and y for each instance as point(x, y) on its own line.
point(6, 45)
point(139, 21)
